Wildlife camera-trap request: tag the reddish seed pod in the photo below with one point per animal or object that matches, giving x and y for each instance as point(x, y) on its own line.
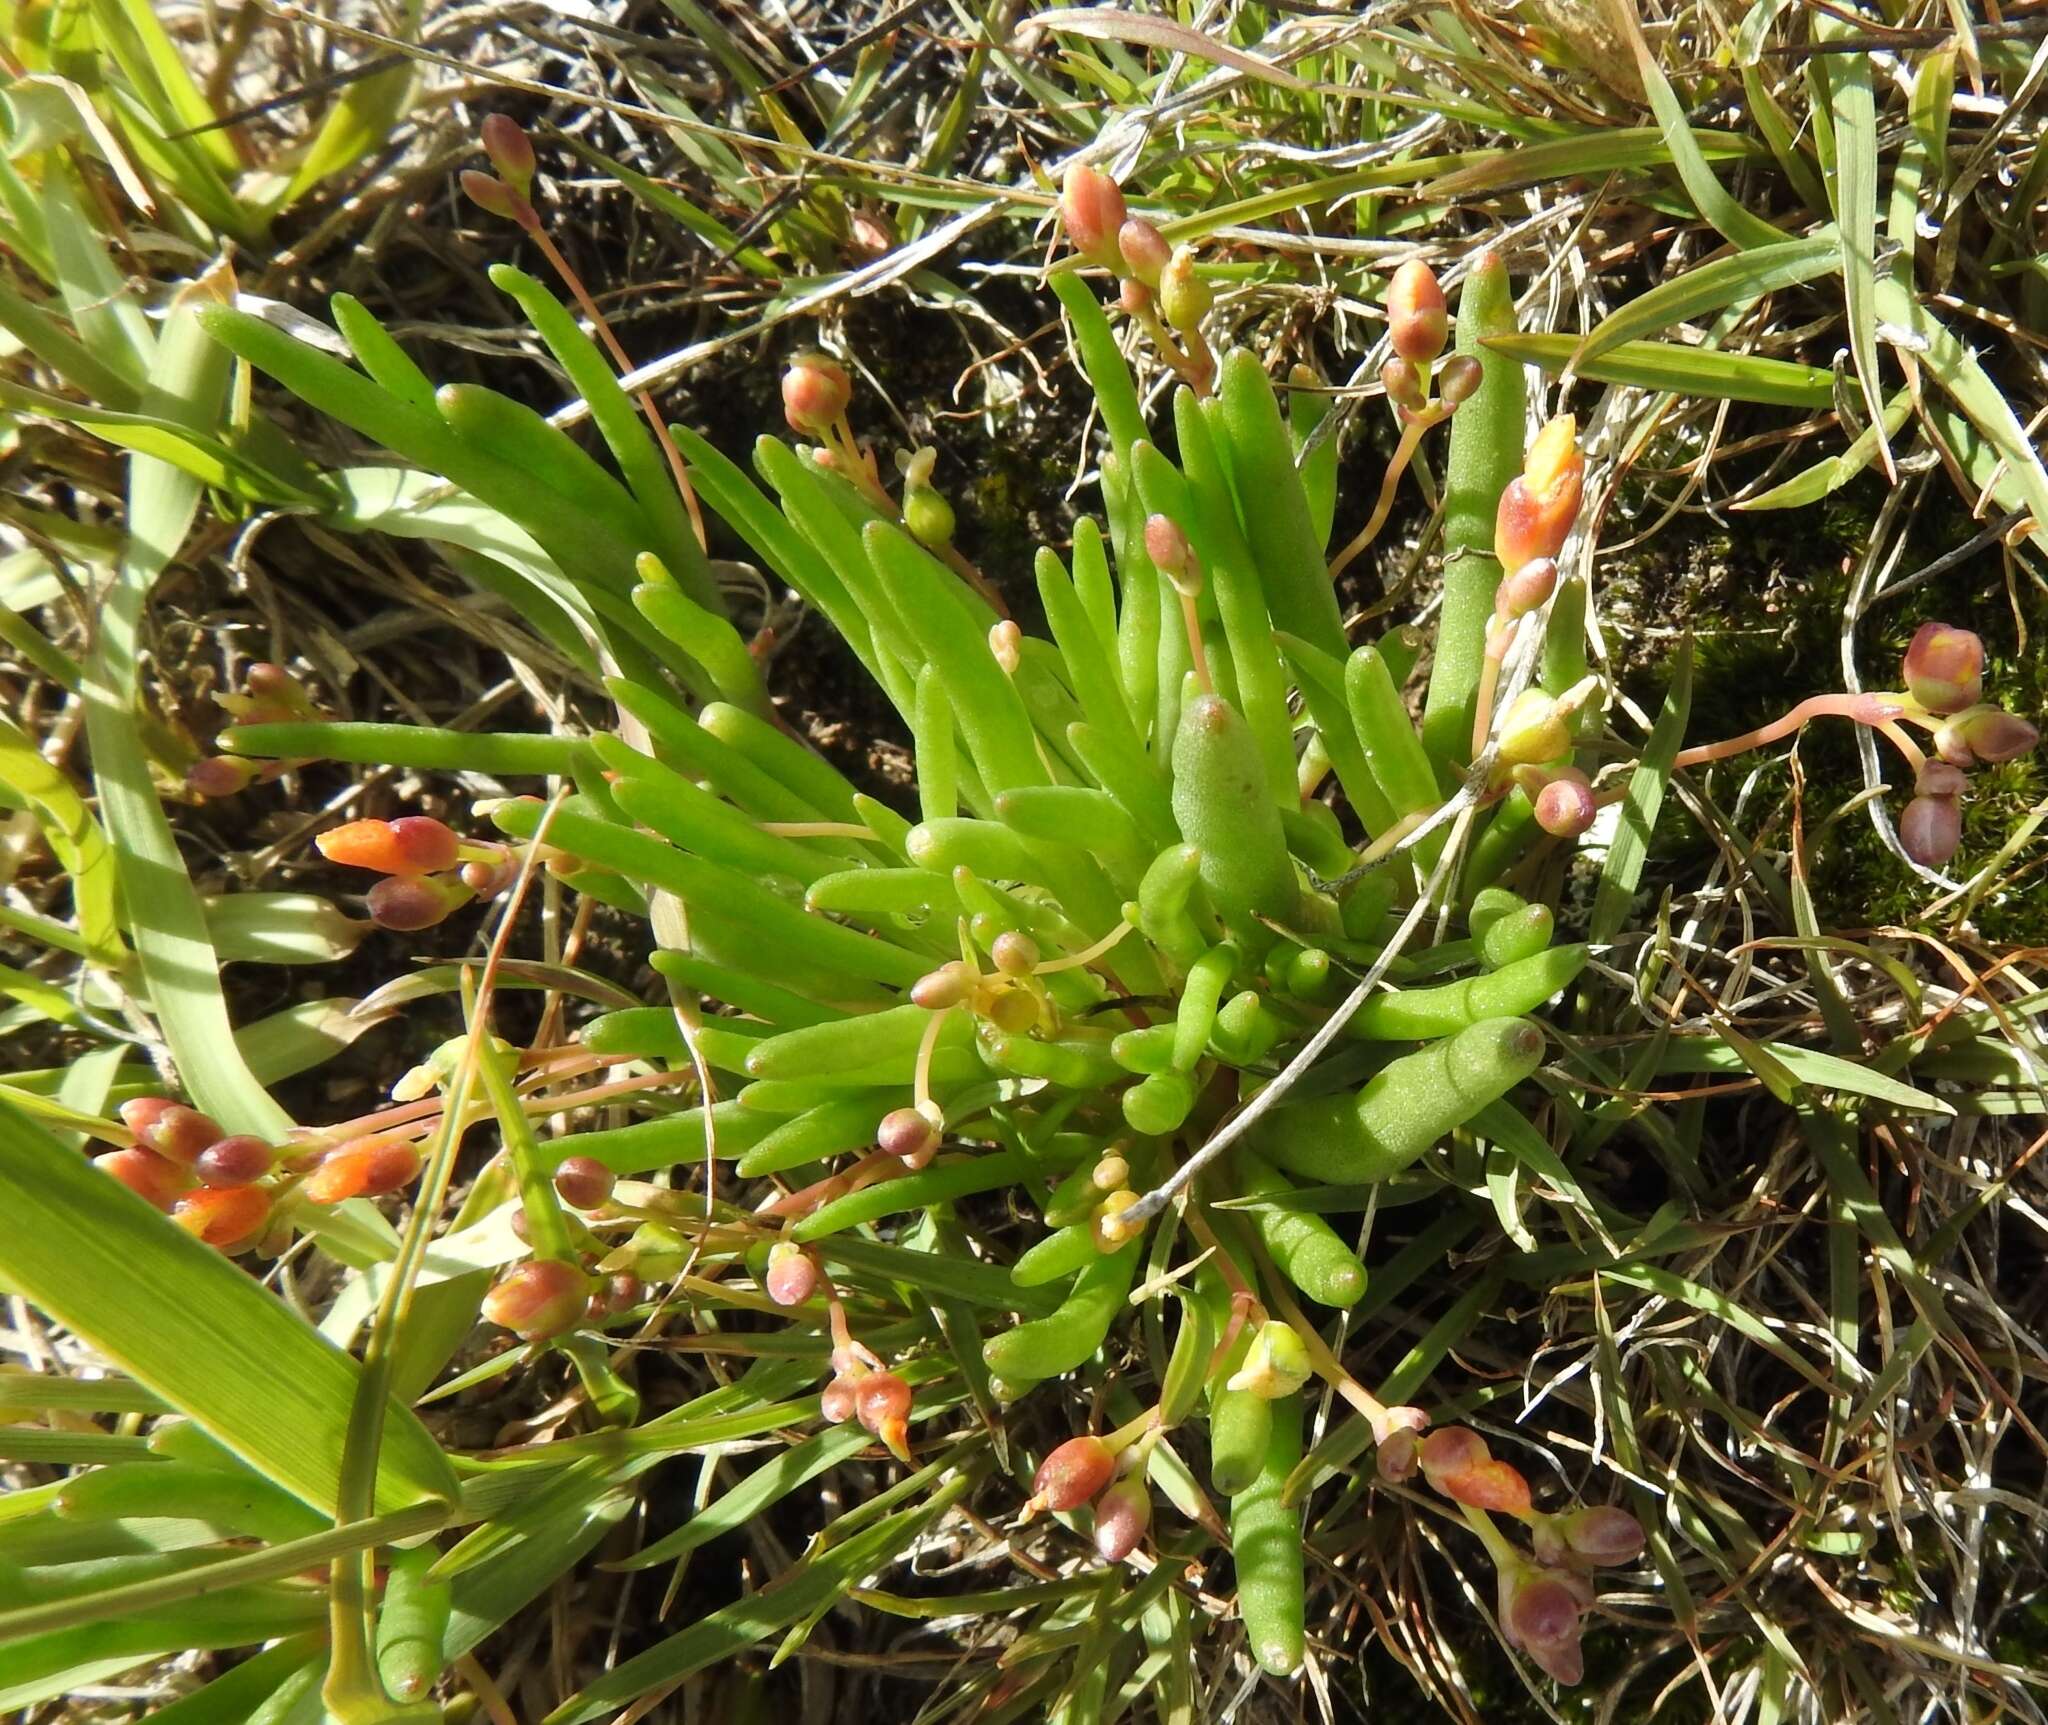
point(179, 1134)
point(1014, 954)
point(363, 1168)
point(221, 775)
point(584, 1182)
point(1452, 1449)
point(1931, 830)
point(1133, 297)
point(537, 1299)
point(792, 1276)
point(1171, 553)
point(1528, 589)
point(510, 151)
point(1565, 807)
point(1537, 509)
point(1184, 297)
point(1093, 212)
point(840, 1401)
point(139, 1113)
point(490, 193)
point(949, 985)
point(410, 845)
point(1540, 1611)
point(405, 904)
point(1402, 380)
point(815, 392)
point(881, 1397)
point(144, 1173)
point(241, 1160)
point(1939, 779)
point(1984, 735)
point(1944, 668)
point(1417, 320)
point(230, 1218)
point(1073, 1474)
point(1491, 1484)
point(907, 1133)
point(1122, 1514)
point(1145, 250)
point(1602, 1533)
point(1458, 379)
point(622, 1292)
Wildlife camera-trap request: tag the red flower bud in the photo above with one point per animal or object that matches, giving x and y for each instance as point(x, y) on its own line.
point(406, 904)
point(498, 198)
point(363, 1168)
point(229, 1218)
point(619, 1293)
point(237, 1161)
point(840, 1401)
point(176, 1133)
point(1417, 322)
point(792, 1276)
point(1537, 509)
point(539, 1298)
point(1602, 1533)
point(1122, 1514)
point(1944, 668)
point(1565, 807)
point(815, 392)
point(221, 775)
point(1527, 589)
point(1458, 379)
point(146, 1174)
point(1133, 297)
point(1014, 954)
point(950, 985)
point(907, 1133)
point(139, 1113)
point(1539, 1613)
point(584, 1182)
point(1402, 380)
point(1931, 830)
point(1939, 779)
point(1145, 250)
point(1984, 734)
point(1092, 210)
point(1171, 553)
point(1397, 1432)
point(510, 151)
point(1073, 1474)
point(882, 1404)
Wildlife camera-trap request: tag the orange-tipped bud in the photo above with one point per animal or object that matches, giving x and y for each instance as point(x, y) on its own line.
point(177, 1133)
point(1451, 1449)
point(1417, 320)
point(1565, 807)
point(1458, 379)
point(492, 194)
point(906, 1132)
point(238, 1161)
point(1122, 1514)
point(510, 151)
point(1931, 830)
point(815, 392)
point(1145, 250)
point(1172, 555)
point(1984, 735)
point(584, 1183)
point(221, 775)
point(792, 1276)
point(146, 1174)
point(1944, 668)
point(1073, 1474)
point(882, 1400)
point(1092, 211)
point(539, 1298)
point(1402, 380)
point(840, 1401)
point(412, 844)
point(1528, 589)
point(1458, 1464)
point(1014, 954)
point(363, 1168)
point(407, 903)
point(1538, 508)
point(229, 1218)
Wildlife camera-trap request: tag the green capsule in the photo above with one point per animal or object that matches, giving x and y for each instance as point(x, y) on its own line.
point(1226, 811)
point(1309, 1252)
point(1050, 1346)
point(1411, 1014)
point(1408, 1105)
point(1266, 1547)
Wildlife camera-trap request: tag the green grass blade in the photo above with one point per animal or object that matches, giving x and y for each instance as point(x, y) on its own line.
point(1855, 189)
point(1663, 365)
point(1729, 281)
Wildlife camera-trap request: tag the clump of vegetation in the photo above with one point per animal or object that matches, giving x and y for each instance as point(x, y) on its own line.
point(1161, 1158)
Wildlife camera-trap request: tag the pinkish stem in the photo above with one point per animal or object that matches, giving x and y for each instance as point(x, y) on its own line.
point(1877, 711)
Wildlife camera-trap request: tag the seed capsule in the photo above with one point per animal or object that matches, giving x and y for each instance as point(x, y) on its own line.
point(1402, 380)
point(1931, 830)
point(1183, 296)
point(1565, 807)
point(1602, 1533)
point(1458, 379)
point(1122, 1514)
point(1537, 508)
point(907, 1133)
point(539, 1298)
point(839, 1401)
point(363, 1168)
point(584, 1183)
point(178, 1134)
point(1276, 1365)
point(792, 1276)
point(1145, 250)
point(229, 1218)
point(1072, 1474)
point(1944, 668)
point(405, 904)
point(1417, 321)
point(510, 151)
point(1092, 210)
point(144, 1173)
point(815, 392)
point(237, 1161)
